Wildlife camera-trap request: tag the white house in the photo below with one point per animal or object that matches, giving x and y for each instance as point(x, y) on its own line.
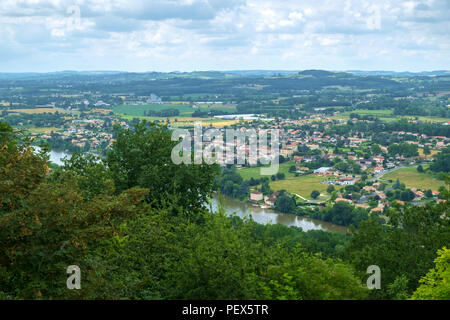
point(256, 195)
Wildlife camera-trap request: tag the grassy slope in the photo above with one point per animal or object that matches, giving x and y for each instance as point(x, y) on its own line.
point(413, 179)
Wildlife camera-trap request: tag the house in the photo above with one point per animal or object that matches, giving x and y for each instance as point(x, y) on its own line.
point(322, 170)
point(298, 159)
point(378, 169)
point(419, 195)
point(286, 152)
point(382, 195)
point(369, 188)
point(347, 181)
point(343, 200)
point(256, 196)
point(270, 200)
point(309, 158)
point(378, 159)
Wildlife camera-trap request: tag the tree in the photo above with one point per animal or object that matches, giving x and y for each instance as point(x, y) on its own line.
point(356, 168)
point(129, 249)
point(342, 166)
point(93, 177)
point(315, 194)
point(420, 168)
point(142, 157)
point(21, 169)
point(442, 161)
point(280, 176)
point(435, 285)
point(285, 204)
point(407, 195)
point(265, 188)
point(375, 149)
point(330, 189)
point(406, 248)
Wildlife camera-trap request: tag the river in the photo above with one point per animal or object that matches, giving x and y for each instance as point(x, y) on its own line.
point(259, 215)
point(56, 156)
point(265, 216)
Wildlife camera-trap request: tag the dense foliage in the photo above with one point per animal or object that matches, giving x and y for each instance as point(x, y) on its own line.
point(99, 218)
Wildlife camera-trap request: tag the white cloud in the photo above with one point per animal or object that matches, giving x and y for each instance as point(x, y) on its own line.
point(41, 35)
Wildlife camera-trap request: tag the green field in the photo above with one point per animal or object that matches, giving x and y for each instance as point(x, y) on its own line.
point(185, 110)
point(302, 185)
point(386, 115)
point(138, 109)
point(254, 172)
point(413, 179)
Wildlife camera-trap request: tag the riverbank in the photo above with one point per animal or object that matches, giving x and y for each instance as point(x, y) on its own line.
point(268, 215)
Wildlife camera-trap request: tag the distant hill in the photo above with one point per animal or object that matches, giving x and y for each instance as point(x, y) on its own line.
point(399, 74)
point(213, 74)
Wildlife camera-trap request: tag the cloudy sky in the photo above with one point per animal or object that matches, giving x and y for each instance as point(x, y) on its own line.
point(186, 35)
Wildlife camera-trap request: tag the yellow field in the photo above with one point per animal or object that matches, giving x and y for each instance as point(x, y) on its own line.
point(36, 111)
point(186, 121)
point(433, 152)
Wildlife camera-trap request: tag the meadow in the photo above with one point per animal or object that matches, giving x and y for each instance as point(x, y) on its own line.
point(254, 172)
point(414, 179)
point(386, 115)
point(139, 109)
point(185, 109)
point(302, 185)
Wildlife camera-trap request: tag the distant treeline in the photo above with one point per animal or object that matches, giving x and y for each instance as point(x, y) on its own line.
point(378, 127)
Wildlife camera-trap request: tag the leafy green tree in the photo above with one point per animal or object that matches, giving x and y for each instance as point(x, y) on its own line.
point(407, 195)
point(404, 248)
point(281, 176)
point(442, 161)
point(21, 169)
point(330, 189)
point(93, 177)
point(375, 149)
point(285, 204)
point(435, 285)
point(142, 157)
point(315, 194)
point(265, 188)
